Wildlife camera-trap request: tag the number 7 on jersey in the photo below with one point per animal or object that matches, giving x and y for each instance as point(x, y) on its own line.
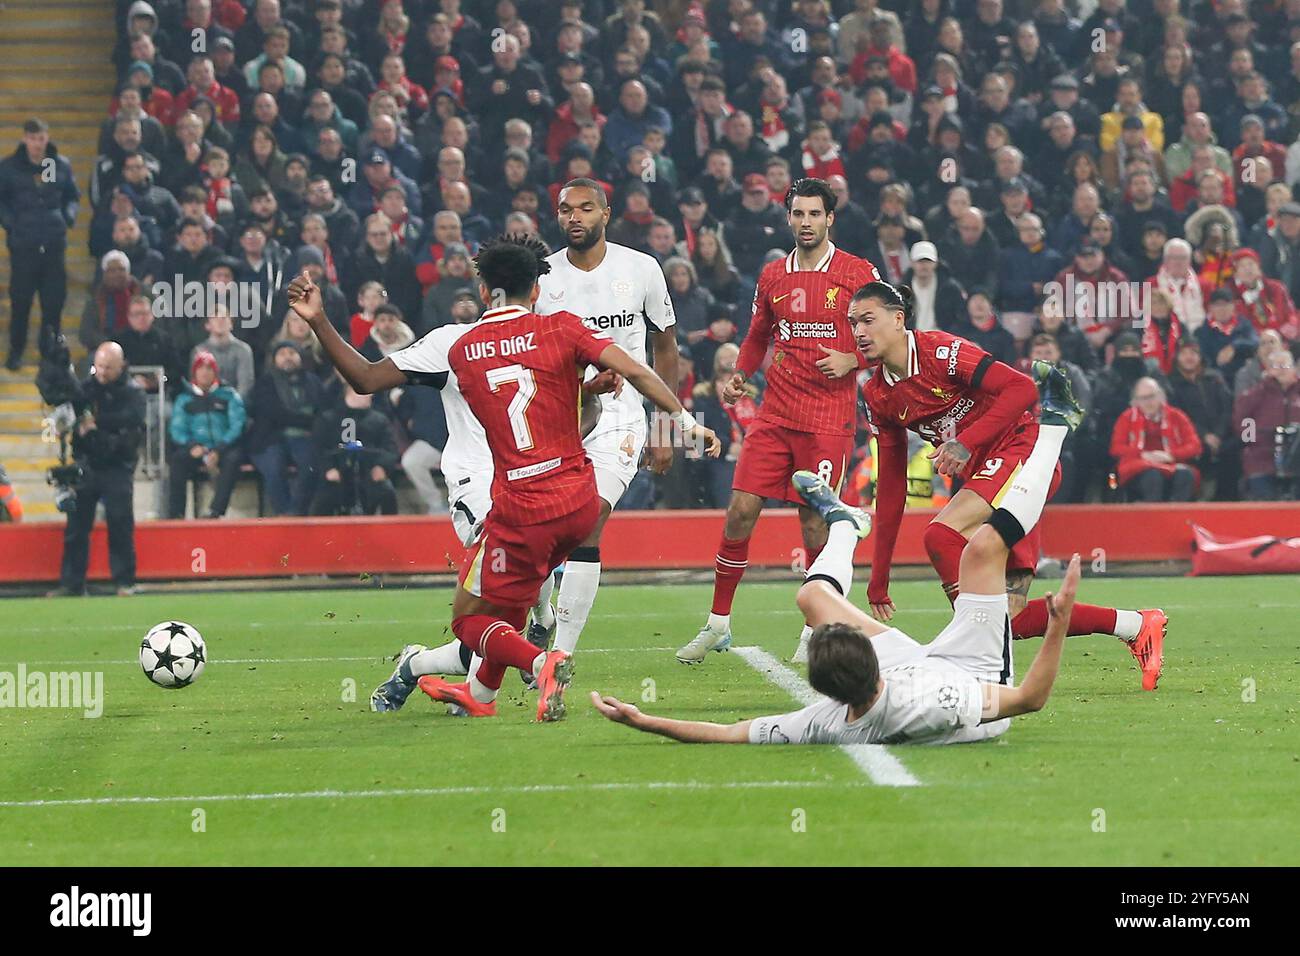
point(518, 408)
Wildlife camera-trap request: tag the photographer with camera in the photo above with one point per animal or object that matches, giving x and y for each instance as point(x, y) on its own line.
point(106, 431)
point(1269, 413)
point(357, 454)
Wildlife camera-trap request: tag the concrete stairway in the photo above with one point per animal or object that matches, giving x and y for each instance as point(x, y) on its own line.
point(54, 63)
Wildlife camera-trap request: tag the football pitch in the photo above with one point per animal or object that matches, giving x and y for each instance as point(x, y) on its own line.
point(273, 757)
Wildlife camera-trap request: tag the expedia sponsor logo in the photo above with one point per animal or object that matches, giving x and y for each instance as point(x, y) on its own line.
point(619, 320)
point(952, 357)
point(805, 330)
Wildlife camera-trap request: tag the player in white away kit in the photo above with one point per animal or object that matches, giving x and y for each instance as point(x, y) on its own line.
point(467, 468)
point(620, 291)
point(881, 686)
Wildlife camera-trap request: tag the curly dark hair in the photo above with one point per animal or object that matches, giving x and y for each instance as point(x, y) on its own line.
point(512, 264)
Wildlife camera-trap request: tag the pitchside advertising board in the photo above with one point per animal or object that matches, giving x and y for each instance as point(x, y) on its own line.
point(305, 906)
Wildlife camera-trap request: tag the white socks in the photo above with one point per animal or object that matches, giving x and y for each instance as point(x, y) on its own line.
point(836, 559)
point(480, 691)
point(577, 595)
point(438, 660)
point(1127, 624)
point(543, 613)
point(1029, 489)
point(719, 623)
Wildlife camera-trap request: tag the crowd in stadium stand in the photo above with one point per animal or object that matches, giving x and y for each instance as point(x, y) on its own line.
point(1142, 156)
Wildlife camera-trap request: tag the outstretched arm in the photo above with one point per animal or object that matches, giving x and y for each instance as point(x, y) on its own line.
point(363, 375)
point(891, 496)
point(687, 731)
point(1032, 694)
point(645, 381)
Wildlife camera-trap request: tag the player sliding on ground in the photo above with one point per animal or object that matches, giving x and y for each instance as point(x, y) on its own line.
point(978, 413)
point(520, 374)
point(881, 686)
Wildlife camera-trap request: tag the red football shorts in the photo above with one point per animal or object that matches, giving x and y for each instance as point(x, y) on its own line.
point(508, 563)
point(772, 453)
point(991, 478)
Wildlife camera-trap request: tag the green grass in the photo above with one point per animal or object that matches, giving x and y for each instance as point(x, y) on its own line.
point(1188, 775)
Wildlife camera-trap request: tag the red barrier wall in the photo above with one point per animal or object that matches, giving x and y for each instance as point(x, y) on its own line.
point(273, 547)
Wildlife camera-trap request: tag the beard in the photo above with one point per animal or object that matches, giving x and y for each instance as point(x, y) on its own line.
point(588, 238)
point(803, 243)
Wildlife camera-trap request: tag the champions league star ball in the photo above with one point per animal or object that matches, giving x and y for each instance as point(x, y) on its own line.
point(173, 654)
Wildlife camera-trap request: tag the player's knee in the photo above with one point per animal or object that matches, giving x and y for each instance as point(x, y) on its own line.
point(742, 515)
point(810, 596)
point(986, 545)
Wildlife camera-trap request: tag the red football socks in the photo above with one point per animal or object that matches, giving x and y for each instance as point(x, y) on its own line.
point(728, 569)
point(945, 547)
point(1084, 619)
point(495, 641)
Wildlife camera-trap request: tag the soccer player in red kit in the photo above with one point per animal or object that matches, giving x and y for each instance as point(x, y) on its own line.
point(806, 419)
point(521, 375)
point(979, 415)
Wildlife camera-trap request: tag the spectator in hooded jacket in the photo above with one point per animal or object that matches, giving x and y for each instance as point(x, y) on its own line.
point(207, 421)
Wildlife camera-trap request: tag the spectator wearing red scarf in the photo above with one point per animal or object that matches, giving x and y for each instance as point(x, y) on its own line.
point(1154, 444)
point(1163, 333)
point(104, 315)
point(821, 154)
point(1264, 301)
point(410, 96)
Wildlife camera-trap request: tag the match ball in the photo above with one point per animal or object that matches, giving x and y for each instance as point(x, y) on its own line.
point(173, 654)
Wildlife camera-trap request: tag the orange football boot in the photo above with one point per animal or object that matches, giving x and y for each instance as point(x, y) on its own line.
point(557, 671)
point(1149, 646)
point(457, 695)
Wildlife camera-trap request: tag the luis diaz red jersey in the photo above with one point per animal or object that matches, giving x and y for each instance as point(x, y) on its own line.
point(800, 310)
point(520, 374)
point(940, 396)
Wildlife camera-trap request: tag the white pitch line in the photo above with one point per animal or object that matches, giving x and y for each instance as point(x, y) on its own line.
point(872, 759)
point(430, 792)
point(376, 658)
